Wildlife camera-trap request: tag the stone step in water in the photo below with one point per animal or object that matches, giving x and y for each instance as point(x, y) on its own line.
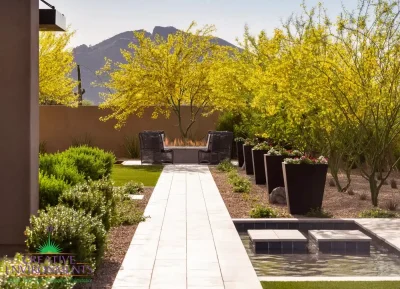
point(278, 241)
point(340, 241)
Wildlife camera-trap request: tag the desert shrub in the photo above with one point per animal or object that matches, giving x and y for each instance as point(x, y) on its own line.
point(350, 191)
point(225, 166)
point(74, 231)
point(93, 163)
point(132, 188)
point(318, 213)
point(393, 184)
point(240, 184)
point(332, 183)
point(42, 147)
point(391, 205)
point(263, 212)
point(50, 189)
point(132, 146)
point(377, 213)
point(127, 213)
point(90, 200)
point(12, 280)
point(122, 209)
point(363, 196)
point(84, 140)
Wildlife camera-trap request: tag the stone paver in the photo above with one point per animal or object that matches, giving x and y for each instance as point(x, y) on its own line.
point(276, 235)
point(189, 241)
point(388, 230)
point(338, 235)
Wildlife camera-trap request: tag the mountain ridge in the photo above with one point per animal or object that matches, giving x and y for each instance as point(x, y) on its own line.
point(91, 58)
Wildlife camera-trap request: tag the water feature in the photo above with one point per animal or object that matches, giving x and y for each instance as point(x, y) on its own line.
point(381, 262)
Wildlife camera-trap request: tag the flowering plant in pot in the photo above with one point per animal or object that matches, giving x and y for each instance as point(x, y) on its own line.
point(258, 152)
point(239, 148)
point(273, 166)
point(248, 159)
point(304, 179)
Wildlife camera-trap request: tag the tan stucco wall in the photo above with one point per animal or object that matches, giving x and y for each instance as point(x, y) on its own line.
point(59, 125)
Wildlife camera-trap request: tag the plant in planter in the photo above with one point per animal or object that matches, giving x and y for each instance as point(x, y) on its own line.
point(258, 161)
point(304, 180)
point(248, 159)
point(273, 166)
point(239, 148)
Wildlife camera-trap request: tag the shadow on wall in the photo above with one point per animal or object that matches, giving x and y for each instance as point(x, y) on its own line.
point(61, 127)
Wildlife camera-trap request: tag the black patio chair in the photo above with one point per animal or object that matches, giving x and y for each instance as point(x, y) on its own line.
point(219, 147)
point(152, 148)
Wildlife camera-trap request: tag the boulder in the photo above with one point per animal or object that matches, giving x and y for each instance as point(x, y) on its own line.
point(278, 196)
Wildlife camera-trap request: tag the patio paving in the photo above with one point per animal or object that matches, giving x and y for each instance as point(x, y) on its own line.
point(388, 230)
point(189, 241)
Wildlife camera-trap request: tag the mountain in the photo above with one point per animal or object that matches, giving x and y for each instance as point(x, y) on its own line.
point(91, 58)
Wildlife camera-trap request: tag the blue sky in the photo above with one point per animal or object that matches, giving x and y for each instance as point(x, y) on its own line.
point(96, 20)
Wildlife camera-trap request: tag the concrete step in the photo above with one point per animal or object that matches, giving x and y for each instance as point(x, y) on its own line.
point(348, 242)
point(278, 241)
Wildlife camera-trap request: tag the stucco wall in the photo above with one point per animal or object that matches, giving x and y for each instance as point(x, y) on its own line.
point(60, 125)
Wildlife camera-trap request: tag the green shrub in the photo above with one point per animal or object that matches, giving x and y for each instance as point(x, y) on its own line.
point(225, 166)
point(240, 184)
point(74, 231)
point(377, 213)
point(128, 213)
point(61, 167)
point(90, 200)
point(93, 163)
point(318, 213)
point(263, 212)
point(50, 189)
point(13, 281)
point(133, 188)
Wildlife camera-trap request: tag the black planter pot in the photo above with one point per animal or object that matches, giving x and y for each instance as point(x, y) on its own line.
point(248, 159)
point(273, 172)
point(239, 149)
point(258, 166)
point(304, 185)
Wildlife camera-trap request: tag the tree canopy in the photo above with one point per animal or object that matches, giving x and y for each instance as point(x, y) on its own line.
point(165, 75)
point(56, 63)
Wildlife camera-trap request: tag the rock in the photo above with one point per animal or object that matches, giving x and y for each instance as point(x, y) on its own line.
point(278, 196)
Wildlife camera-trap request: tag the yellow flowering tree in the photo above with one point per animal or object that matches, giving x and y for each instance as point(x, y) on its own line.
point(56, 62)
point(165, 75)
point(363, 72)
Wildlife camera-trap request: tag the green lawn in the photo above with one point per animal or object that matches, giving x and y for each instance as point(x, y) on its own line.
point(148, 175)
point(331, 285)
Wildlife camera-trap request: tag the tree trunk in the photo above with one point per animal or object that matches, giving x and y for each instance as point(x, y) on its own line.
point(374, 190)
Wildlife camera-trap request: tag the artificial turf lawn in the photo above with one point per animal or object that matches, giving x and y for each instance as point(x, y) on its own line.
point(148, 175)
point(331, 285)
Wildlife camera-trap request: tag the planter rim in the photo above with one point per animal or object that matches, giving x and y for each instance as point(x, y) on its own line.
point(304, 164)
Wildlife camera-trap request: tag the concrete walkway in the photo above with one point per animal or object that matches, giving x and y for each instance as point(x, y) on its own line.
point(190, 241)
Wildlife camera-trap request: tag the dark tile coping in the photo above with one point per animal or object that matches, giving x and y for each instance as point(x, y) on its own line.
point(242, 225)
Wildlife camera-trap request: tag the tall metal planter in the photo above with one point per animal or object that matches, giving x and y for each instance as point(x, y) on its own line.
point(304, 185)
point(248, 159)
point(258, 166)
